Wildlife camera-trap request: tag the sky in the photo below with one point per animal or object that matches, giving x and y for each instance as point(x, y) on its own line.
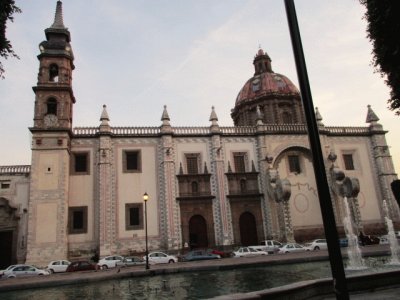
point(135, 56)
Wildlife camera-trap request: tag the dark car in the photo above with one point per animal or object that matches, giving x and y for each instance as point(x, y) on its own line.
point(199, 255)
point(80, 266)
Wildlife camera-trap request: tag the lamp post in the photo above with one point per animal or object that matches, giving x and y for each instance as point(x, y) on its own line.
point(145, 198)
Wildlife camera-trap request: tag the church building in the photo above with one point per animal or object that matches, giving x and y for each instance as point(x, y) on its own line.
point(208, 187)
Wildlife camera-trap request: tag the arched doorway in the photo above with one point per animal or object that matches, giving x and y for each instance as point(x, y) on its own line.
point(248, 229)
point(198, 232)
point(8, 234)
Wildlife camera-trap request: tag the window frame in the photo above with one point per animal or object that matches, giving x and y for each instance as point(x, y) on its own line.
point(348, 165)
point(296, 168)
point(126, 153)
point(71, 219)
point(73, 163)
point(190, 157)
point(244, 162)
point(128, 225)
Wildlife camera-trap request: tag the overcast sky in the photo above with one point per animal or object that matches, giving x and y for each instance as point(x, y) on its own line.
point(137, 55)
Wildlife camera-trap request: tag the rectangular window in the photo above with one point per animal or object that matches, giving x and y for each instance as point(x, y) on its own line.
point(5, 185)
point(239, 159)
point(348, 161)
point(192, 163)
point(134, 216)
point(294, 164)
point(80, 163)
point(77, 219)
point(132, 161)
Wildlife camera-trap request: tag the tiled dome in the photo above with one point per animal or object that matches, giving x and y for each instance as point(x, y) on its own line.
point(277, 97)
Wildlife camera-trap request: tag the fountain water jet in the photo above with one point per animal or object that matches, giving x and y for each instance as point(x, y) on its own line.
point(394, 245)
point(356, 262)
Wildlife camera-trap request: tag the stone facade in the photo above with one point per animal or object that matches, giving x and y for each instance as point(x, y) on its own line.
point(209, 186)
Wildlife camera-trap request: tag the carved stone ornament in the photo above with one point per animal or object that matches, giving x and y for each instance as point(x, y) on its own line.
point(283, 190)
point(351, 187)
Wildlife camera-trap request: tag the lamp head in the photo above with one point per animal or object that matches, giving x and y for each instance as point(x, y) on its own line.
point(145, 197)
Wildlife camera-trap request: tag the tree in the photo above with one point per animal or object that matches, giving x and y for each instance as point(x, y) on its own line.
point(383, 32)
point(7, 9)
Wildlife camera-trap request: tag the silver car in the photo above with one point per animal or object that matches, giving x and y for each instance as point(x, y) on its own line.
point(23, 271)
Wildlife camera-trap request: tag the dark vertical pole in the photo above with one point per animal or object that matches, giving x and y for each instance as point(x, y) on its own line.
point(335, 256)
point(145, 221)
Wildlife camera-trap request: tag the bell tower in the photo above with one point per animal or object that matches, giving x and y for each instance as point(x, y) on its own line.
point(51, 133)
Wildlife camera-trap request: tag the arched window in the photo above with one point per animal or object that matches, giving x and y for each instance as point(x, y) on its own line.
point(52, 106)
point(53, 73)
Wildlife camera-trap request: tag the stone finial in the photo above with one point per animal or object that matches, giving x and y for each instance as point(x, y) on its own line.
point(318, 117)
point(213, 116)
point(104, 115)
point(229, 167)
point(105, 126)
point(180, 169)
point(205, 168)
point(165, 117)
point(371, 116)
point(165, 126)
point(253, 167)
point(58, 17)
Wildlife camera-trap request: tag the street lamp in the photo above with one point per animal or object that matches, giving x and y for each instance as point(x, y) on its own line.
point(145, 198)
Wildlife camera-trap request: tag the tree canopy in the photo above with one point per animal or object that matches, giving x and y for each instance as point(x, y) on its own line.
point(383, 32)
point(7, 9)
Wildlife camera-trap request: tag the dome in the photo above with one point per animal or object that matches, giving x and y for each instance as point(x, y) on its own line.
point(266, 84)
point(277, 98)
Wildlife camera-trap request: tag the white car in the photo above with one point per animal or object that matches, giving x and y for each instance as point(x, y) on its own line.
point(318, 244)
point(109, 261)
point(248, 251)
point(57, 266)
point(22, 271)
point(292, 247)
point(161, 258)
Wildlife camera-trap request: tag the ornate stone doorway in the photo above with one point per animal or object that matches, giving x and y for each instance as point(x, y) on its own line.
point(248, 229)
point(198, 232)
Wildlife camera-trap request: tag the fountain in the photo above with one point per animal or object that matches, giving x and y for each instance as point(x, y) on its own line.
point(394, 245)
point(355, 262)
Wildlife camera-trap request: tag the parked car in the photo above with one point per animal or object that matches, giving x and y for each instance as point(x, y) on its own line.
point(109, 261)
point(292, 247)
point(259, 248)
point(161, 258)
point(367, 239)
point(58, 266)
point(22, 271)
point(81, 266)
point(272, 246)
point(318, 244)
point(131, 261)
point(247, 251)
point(199, 255)
point(220, 253)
